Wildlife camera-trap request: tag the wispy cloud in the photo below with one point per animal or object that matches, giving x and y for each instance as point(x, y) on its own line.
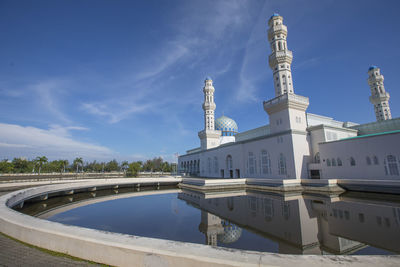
point(195, 38)
point(46, 92)
point(248, 76)
point(307, 63)
point(115, 115)
point(55, 143)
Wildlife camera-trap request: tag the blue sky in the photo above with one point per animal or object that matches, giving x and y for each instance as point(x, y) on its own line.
point(123, 79)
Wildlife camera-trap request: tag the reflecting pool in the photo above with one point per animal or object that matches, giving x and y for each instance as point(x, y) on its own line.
point(352, 223)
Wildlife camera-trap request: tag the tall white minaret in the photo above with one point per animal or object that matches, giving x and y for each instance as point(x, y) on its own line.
point(379, 97)
point(209, 104)
point(280, 58)
point(209, 137)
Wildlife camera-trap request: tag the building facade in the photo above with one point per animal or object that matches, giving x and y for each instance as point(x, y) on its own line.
point(296, 144)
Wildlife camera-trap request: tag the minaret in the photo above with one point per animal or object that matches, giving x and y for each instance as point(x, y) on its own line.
point(379, 97)
point(209, 137)
point(209, 104)
point(280, 58)
point(286, 111)
point(211, 226)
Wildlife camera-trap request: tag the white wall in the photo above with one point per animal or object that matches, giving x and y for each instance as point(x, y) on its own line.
point(296, 158)
point(324, 133)
point(359, 148)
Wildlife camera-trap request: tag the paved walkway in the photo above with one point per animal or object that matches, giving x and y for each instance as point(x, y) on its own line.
point(13, 253)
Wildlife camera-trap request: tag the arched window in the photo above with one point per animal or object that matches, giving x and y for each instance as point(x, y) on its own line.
point(352, 161)
point(286, 210)
point(339, 162)
point(317, 158)
point(251, 163)
point(229, 162)
point(376, 161)
point(392, 165)
point(216, 165)
point(328, 162)
point(368, 159)
point(333, 162)
point(209, 165)
point(282, 164)
point(268, 209)
point(230, 203)
point(265, 162)
point(279, 46)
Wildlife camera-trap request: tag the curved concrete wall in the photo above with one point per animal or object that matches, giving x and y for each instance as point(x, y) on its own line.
point(125, 250)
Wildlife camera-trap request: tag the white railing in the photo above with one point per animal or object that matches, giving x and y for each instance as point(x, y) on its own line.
point(281, 54)
point(285, 97)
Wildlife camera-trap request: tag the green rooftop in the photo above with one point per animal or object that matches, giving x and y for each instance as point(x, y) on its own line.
point(368, 135)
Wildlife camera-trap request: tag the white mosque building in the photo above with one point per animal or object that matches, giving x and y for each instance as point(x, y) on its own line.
point(296, 144)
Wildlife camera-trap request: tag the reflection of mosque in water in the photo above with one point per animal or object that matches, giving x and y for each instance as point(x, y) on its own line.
point(215, 229)
point(299, 224)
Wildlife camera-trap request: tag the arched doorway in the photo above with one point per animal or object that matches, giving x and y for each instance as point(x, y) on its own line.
point(229, 166)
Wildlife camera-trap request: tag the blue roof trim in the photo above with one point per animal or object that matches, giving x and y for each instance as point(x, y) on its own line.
point(372, 67)
point(274, 15)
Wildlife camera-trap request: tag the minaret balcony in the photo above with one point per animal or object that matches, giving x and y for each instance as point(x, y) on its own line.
point(277, 29)
point(374, 79)
point(286, 101)
point(209, 106)
point(379, 98)
point(277, 57)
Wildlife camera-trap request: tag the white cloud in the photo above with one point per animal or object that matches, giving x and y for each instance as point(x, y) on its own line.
point(114, 115)
point(55, 143)
point(45, 92)
point(196, 35)
point(249, 74)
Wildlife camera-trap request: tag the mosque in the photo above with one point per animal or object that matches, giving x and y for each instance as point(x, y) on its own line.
point(296, 144)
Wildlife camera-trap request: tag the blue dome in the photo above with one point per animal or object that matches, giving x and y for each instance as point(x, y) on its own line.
point(372, 67)
point(208, 78)
point(274, 15)
point(231, 233)
point(226, 125)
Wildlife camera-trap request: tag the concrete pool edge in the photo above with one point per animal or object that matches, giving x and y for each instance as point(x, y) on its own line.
point(124, 250)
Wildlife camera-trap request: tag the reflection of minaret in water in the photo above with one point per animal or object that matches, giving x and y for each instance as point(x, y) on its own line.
point(211, 226)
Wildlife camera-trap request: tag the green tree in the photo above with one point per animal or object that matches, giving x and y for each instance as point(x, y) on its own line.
point(124, 166)
point(6, 166)
point(21, 165)
point(40, 161)
point(65, 164)
point(78, 162)
point(112, 166)
point(157, 163)
point(133, 169)
point(148, 165)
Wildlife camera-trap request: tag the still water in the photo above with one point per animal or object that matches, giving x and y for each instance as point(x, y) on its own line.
point(351, 223)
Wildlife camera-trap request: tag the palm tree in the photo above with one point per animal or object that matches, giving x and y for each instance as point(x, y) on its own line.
point(40, 161)
point(124, 166)
point(65, 163)
point(78, 161)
